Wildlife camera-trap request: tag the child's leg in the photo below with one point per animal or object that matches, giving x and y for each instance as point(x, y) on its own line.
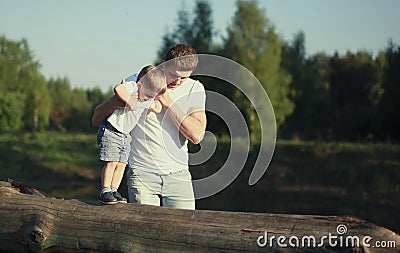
point(107, 174)
point(116, 181)
point(118, 174)
point(106, 196)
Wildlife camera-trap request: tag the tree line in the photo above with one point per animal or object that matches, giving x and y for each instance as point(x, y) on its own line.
point(328, 97)
point(29, 102)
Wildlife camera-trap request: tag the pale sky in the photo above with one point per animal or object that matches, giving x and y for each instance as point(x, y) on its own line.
point(94, 43)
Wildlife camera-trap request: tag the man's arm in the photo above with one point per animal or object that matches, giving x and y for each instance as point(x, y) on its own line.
point(192, 125)
point(102, 111)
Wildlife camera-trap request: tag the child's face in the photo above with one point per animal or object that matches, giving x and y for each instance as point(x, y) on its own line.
point(144, 94)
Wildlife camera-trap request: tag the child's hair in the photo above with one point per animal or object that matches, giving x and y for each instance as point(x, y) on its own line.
point(153, 78)
point(183, 57)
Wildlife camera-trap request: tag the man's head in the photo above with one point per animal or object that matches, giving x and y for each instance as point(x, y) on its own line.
point(151, 82)
point(179, 63)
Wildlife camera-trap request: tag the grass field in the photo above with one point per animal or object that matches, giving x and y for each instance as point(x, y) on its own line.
point(59, 163)
point(359, 179)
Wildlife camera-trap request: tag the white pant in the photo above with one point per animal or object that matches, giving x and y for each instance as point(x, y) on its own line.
point(172, 190)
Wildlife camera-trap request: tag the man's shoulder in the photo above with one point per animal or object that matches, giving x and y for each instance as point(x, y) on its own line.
point(195, 85)
point(188, 87)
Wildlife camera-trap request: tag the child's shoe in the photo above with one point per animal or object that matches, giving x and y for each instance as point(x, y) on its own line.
point(119, 197)
point(107, 198)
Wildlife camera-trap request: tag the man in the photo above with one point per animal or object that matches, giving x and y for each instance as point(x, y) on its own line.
point(158, 171)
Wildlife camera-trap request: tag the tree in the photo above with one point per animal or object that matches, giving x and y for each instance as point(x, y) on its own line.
point(95, 96)
point(61, 94)
point(197, 32)
point(24, 96)
point(389, 106)
point(11, 111)
point(252, 42)
point(202, 27)
point(310, 118)
point(37, 105)
point(12, 97)
point(79, 119)
point(58, 225)
point(354, 91)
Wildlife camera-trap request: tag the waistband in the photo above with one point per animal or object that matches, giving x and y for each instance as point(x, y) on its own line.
point(109, 126)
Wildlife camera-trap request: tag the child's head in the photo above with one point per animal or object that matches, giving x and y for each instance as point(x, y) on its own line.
point(151, 82)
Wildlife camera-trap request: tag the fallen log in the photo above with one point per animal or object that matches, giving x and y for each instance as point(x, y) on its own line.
point(36, 223)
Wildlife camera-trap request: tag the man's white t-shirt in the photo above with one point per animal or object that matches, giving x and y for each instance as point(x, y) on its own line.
point(124, 120)
point(157, 145)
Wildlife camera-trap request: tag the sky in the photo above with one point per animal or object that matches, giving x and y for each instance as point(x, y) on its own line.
point(95, 43)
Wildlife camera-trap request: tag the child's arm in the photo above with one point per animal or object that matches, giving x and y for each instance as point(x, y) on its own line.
point(129, 99)
point(102, 111)
point(156, 107)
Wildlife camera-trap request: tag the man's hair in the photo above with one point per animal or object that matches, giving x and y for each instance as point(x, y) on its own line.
point(183, 57)
point(153, 79)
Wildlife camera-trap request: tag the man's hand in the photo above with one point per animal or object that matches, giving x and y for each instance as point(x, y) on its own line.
point(165, 100)
point(192, 124)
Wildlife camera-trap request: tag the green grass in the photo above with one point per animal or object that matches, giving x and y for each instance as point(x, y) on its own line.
point(50, 160)
point(327, 178)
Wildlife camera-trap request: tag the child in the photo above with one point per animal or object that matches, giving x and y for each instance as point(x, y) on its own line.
point(114, 133)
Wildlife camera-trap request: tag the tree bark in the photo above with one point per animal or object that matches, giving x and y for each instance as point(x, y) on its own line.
point(37, 223)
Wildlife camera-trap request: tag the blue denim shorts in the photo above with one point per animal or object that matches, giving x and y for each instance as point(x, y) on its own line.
point(114, 146)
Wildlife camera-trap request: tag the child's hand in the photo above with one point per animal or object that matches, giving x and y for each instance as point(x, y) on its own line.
point(131, 104)
point(156, 107)
point(165, 100)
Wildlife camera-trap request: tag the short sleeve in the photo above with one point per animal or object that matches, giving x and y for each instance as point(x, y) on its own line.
point(131, 87)
point(197, 97)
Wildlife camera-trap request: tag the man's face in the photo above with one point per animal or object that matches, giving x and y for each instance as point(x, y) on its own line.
point(175, 77)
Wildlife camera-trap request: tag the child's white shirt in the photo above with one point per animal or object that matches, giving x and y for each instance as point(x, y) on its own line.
point(124, 120)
